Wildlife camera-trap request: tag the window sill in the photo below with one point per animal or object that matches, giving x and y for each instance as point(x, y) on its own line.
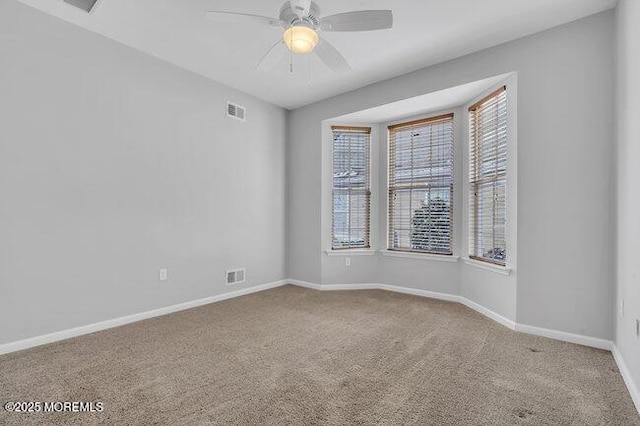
point(351, 252)
point(502, 270)
point(421, 256)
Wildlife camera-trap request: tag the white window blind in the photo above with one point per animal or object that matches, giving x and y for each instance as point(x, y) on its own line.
point(488, 178)
point(351, 187)
point(421, 185)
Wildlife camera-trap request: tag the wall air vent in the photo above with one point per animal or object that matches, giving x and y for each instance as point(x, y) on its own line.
point(236, 111)
point(86, 5)
point(236, 276)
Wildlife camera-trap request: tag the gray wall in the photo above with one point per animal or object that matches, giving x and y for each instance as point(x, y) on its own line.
point(628, 129)
point(442, 277)
point(565, 171)
point(114, 164)
point(493, 291)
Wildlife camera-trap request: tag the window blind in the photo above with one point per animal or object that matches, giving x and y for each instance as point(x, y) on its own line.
point(351, 187)
point(421, 185)
point(488, 178)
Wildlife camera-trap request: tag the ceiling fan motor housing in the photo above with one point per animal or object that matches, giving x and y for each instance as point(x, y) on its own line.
point(291, 18)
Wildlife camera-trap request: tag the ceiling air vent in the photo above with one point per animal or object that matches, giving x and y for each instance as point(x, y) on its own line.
point(236, 276)
point(86, 5)
point(236, 111)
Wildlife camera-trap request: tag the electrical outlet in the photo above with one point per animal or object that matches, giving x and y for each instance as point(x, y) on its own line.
point(163, 275)
point(347, 261)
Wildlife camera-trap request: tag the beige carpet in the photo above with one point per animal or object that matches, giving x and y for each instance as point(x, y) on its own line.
point(298, 356)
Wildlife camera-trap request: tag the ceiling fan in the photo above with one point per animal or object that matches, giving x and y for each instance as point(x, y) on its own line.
point(301, 22)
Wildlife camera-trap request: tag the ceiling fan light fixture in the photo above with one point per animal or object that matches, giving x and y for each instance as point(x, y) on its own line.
point(301, 39)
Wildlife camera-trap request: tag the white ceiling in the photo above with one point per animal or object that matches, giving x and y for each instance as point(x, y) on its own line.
point(425, 32)
point(424, 104)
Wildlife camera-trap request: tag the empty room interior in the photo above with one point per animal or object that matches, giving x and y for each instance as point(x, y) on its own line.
point(327, 212)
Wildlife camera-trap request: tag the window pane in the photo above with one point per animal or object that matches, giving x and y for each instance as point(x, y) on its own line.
point(421, 186)
point(490, 221)
point(488, 168)
point(351, 195)
point(421, 220)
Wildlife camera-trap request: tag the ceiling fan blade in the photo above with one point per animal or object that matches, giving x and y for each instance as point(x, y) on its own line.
point(276, 53)
point(234, 17)
point(364, 20)
point(331, 57)
point(300, 7)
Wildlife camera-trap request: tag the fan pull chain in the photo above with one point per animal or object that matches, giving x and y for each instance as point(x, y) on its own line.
point(291, 53)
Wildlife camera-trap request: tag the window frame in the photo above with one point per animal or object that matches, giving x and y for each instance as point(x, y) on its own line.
point(366, 247)
point(404, 252)
point(475, 182)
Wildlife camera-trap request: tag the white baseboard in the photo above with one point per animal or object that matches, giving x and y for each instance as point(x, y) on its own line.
point(563, 336)
point(377, 286)
point(413, 291)
point(634, 390)
point(552, 334)
point(523, 328)
point(115, 322)
point(103, 325)
point(423, 293)
point(488, 313)
point(333, 287)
